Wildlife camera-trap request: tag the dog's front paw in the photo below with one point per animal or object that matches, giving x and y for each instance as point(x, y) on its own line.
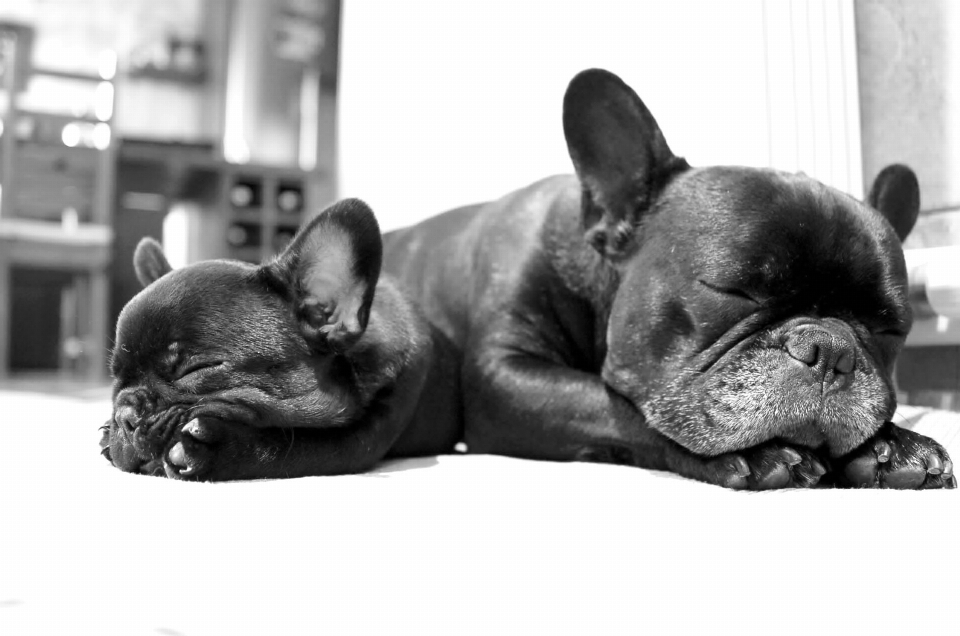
point(194, 450)
point(206, 449)
point(897, 458)
point(765, 467)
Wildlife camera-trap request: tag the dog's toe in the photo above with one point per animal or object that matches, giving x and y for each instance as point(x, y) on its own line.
point(768, 467)
point(777, 476)
point(197, 429)
point(177, 456)
point(778, 466)
point(862, 471)
point(947, 477)
point(187, 457)
point(905, 478)
point(179, 464)
point(732, 471)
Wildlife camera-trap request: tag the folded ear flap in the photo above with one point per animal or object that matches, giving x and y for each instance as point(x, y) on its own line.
point(620, 156)
point(896, 195)
point(149, 261)
point(329, 273)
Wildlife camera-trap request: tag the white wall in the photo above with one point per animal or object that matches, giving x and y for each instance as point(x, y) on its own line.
point(446, 102)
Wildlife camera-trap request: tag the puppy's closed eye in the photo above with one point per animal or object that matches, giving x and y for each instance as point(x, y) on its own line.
point(729, 291)
point(196, 368)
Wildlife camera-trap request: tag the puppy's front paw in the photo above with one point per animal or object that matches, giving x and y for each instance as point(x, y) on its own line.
point(193, 455)
point(897, 458)
point(768, 466)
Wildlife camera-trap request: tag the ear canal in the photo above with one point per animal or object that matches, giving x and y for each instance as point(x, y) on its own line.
point(329, 273)
point(619, 154)
point(149, 262)
point(896, 195)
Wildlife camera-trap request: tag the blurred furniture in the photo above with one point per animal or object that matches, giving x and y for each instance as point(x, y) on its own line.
point(200, 207)
point(928, 369)
point(56, 173)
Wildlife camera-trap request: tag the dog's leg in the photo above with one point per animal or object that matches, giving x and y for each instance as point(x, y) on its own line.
point(209, 449)
point(562, 414)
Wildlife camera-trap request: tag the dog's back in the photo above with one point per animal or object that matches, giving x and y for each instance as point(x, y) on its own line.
point(449, 264)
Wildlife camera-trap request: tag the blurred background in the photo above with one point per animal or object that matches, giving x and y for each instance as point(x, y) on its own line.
point(220, 126)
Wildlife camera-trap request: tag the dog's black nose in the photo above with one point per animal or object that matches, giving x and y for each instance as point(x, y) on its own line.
point(827, 354)
point(127, 417)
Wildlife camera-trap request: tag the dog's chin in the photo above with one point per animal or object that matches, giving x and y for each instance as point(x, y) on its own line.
point(761, 395)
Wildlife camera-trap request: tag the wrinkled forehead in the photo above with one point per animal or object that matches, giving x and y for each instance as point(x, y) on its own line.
point(205, 303)
point(732, 208)
point(196, 289)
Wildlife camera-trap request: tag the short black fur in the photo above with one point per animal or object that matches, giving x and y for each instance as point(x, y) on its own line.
point(731, 324)
point(310, 364)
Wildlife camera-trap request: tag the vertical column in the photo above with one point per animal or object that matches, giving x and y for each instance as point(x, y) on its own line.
point(812, 94)
point(99, 285)
point(6, 297)
point(8, 49)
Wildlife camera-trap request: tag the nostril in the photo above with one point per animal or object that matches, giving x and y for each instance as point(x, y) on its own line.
point(127, 418)
point(803, 349)
point(847, 361)
point(822, 351)
point(597, 238)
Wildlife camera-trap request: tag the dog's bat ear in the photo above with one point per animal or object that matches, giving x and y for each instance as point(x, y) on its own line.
point(896, 195)
point(620, 156)
point(149, 261)
point(329, 272)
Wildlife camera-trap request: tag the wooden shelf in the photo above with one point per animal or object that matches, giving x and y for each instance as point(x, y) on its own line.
point(68, 75)
point(60, 118)
point(42, 179)
point(36, 243)
point(168, 75)
point(248, 215)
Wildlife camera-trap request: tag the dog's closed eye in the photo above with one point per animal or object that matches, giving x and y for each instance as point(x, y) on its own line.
point(197, 367)
point(729, 291)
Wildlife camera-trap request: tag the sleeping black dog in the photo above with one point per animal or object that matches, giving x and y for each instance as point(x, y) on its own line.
point(307, 365)
point(735, 325)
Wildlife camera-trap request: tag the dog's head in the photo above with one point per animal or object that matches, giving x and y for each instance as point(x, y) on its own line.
point(245, 344)
point(752, 304)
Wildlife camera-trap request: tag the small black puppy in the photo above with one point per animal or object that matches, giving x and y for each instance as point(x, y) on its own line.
point(734, 325)
point(306, 365)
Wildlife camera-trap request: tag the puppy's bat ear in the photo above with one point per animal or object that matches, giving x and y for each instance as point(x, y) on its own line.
point(896, 195)
point(329, 273)
point(620, 156)
point(149, 261)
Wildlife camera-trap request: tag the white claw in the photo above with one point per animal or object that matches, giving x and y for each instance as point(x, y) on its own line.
point(193, 428)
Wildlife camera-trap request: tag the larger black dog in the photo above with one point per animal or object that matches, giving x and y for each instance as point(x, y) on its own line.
point(734, 325)
point(307, 365)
